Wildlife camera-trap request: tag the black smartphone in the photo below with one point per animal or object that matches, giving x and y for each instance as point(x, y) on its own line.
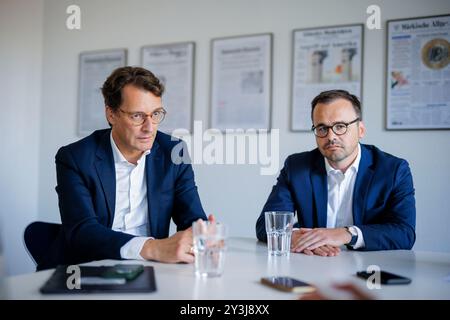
point(385, 277)
point(124, 271)
point(288, 284)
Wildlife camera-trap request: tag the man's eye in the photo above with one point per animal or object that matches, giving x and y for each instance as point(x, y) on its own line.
point(339, 126)
point(137, 116)
point(322, 129)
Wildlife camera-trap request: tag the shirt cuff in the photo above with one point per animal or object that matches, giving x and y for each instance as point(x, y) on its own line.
point(132, 249)
point(360, 242)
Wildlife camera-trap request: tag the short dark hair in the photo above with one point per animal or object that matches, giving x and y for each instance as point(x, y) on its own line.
point(119, 78)
point(329, 96)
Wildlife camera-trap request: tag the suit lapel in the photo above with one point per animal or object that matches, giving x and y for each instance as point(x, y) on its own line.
point(362, 183)
point(104, 166)
point(154, 170)
point(319, 185)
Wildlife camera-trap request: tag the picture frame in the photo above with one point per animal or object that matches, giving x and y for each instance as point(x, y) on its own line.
point(324, 58)
point(94, 68)
point(417, 79)
point(241, 82)
point(173, 64)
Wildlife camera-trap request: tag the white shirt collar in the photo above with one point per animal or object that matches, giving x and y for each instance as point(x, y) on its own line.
point(118, 156)
point(354, 166)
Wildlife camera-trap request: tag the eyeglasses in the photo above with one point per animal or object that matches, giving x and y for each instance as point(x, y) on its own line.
point(338, 128)
point(138, 118)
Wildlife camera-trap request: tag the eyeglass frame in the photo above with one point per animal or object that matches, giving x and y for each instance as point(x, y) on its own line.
point(346, 124)
point(146, 115)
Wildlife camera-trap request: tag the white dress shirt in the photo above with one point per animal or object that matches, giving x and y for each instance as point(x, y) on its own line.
point(131, 210)
point(340, 197)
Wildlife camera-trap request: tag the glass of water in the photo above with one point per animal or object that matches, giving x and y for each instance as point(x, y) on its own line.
point(279, 230)
point(209, 248)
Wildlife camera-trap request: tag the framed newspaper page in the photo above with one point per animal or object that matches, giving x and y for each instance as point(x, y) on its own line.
point(241, 82)
point(418, 73)
point(323, 59)
point(173, 64)
point(95, 67)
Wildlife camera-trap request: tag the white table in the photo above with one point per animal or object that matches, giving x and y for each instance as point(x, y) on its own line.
point(247, 261)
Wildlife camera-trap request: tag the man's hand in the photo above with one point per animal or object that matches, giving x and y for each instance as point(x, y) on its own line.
point(324, 251)
point(346, 291)
point(177, 248)
point(320, 241)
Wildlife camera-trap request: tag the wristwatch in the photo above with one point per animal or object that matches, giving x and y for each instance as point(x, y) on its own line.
point(354, 234)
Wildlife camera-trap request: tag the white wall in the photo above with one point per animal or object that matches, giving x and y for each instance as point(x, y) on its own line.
point(235, 194)
point(20, 90)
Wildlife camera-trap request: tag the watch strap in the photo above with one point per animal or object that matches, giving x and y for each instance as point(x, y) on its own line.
point(354, 236)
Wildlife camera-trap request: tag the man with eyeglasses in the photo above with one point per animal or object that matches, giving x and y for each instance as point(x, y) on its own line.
point(119, 188)
point(344, 192)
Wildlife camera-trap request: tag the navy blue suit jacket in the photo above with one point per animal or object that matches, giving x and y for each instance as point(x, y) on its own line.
point(86, 187)
point(383, 198)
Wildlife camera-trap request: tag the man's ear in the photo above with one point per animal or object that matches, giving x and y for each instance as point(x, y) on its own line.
point(361, 130)
point(110, 115)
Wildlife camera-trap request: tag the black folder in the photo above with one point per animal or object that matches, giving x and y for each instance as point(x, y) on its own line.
point(57, 283)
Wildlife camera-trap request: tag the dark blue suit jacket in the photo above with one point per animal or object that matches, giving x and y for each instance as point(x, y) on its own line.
point(86, 188)
point(383, 198)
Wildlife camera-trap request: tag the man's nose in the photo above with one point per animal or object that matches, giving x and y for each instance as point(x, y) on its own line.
point(331, 136)
point(148, 125)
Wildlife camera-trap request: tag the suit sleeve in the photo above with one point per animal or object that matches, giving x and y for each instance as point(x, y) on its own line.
point(86, 237)
point(395, 227)
point(187, 205)
point(280, 199)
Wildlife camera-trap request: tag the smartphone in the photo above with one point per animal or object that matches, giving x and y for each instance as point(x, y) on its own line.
point(385, 277)
point(288, 284)
point(124, 271)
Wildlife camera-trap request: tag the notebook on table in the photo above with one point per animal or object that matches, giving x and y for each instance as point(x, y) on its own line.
point(98, 280)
